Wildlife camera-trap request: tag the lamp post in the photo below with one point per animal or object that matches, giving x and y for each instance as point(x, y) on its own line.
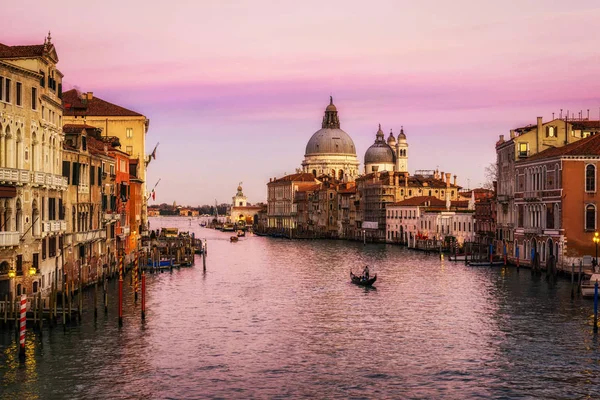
point(596, 239)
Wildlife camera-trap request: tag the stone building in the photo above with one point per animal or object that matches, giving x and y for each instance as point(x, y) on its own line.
point(522, 144)
point(556, 202)
point(32, 222)
point(375, 190)
point(281, 210)
point(243, 214)
point(330, 150)
point(128, 126)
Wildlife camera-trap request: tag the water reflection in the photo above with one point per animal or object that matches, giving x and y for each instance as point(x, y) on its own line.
point(279, 318)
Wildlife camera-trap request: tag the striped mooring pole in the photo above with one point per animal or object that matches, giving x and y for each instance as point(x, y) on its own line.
point(23, 323)
point(135, 277)
point(121, 291)
point(143, 296)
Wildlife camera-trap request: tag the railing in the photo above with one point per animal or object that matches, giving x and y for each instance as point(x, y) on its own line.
point(14, 175)
point(90, 235)
point(532, 195)
point(9, 238)
point(112, 217)
point(43, 178)
point(537, 231)
point(54, 226)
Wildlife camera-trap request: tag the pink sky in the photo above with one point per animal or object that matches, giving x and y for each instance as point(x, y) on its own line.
point(235, 89)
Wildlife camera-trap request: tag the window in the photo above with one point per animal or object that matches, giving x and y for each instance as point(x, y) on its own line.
point(590, 217)
point(129, 150)
point(523, 150)
point(7, 90)
point(590, 178)
point(19, 94)
point(34, 98)
point(129, 132)
point(550, 132)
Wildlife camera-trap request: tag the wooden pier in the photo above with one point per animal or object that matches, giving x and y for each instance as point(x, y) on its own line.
point(169, 249)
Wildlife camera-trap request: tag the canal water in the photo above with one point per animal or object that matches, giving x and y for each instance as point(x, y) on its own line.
point(274, 318)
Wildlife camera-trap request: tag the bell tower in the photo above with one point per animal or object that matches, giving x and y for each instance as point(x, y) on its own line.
point(401, 152)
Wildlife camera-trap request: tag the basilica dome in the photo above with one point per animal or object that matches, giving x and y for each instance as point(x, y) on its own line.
point(330, 139)
point(380, 152)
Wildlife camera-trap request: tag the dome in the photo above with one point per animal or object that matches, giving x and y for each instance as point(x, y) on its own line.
point(380, 153)
point(328, 140)
point(391, 139)
point(401, 135)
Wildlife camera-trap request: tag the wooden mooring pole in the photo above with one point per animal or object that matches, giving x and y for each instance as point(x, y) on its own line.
point(572, 280)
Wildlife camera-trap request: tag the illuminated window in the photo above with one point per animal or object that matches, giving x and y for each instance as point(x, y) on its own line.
point(129, 132)
point(129, 150)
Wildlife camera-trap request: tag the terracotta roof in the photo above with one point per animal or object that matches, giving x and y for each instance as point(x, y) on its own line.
point(310, 188)
point(421, 201)
point(350, 190)
point(589, 146)
point(74, 105)
point(586, 124)
point(299, 177)
point(36, 50)
point(76, 128)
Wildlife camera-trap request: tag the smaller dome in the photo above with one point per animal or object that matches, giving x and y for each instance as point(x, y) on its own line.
point(380, 153)
point(391, 139)
point(401, 135)
point(379, 134)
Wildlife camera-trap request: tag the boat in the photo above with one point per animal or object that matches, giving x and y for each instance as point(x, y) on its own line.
point(587, 286)
point(358, 280)
point(203, 224)
point(233, 239)
point(485, 263)
point(241, 233)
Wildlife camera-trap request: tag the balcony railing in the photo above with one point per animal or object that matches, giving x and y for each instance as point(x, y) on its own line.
point(14, 176)
point(54, 226)
point(9, 239)
point(536, 231)
point(89, 236)
point(532, 195)
point(112, 216)
point(50, 180)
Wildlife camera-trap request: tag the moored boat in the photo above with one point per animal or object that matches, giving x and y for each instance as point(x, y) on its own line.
point(587, 286)
point(359, 280)
point(241, 233)
point(233, 239)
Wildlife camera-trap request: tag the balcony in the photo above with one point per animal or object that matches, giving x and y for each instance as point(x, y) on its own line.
point(8, 239)
point(503, 198)
point(535, 231)
point(83, 188)
point(533, 195)
point(123, 231)
point(14, 176)
point(108, 217)
point(58, 226)
point(49, 180)
point(90, 236)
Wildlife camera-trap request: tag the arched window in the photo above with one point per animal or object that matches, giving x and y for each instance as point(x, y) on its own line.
point(590, 178)
point(341, 174)
point(590, 217)
point(314, 172)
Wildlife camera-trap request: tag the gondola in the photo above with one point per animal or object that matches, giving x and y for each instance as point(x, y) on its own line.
point(358, 280)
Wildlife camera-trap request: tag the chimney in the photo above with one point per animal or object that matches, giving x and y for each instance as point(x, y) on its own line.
point(512, 133)
point(539, 134)
point(442, 177)
point(406, 180)
point(454, 180)
point(89, 95)
point(448, 174)
point(502, 138)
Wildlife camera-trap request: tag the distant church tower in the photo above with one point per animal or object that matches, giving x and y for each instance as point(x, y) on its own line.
point(239, 200)
point(401, 152)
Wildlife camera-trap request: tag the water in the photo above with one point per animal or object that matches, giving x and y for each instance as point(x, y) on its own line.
point(273, 318)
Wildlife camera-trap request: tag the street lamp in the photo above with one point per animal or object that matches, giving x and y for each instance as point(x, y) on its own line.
point(596, 239)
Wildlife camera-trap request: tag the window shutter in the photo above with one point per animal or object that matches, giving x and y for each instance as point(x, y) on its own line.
point(92, 175)
point(66, 171)
point(99, 176)
point(76, 174)
point(61, 211)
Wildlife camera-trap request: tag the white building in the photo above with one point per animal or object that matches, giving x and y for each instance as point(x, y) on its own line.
point(390, 156)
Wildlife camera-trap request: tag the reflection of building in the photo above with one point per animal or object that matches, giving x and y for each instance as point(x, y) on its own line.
point(330, 150)
point(32, 219)
point(241, 213)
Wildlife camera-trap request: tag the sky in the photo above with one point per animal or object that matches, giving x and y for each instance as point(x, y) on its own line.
point(235, 89)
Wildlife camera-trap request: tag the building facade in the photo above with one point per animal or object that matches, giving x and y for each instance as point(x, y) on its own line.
point(32, 223)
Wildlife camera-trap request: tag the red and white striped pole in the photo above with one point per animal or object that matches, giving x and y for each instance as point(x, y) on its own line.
point(22, 323)
point(121, 291)
point(143, 295)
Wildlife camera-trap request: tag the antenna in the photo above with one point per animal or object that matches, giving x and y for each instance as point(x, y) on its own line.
point(560, 114)
point(588, 117)
point(552, 115)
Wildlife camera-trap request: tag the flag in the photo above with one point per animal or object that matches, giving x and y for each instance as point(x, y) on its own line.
point(153, 195)
point(153, 155)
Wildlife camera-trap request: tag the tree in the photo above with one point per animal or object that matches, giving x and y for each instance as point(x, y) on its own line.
point(491, 176)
